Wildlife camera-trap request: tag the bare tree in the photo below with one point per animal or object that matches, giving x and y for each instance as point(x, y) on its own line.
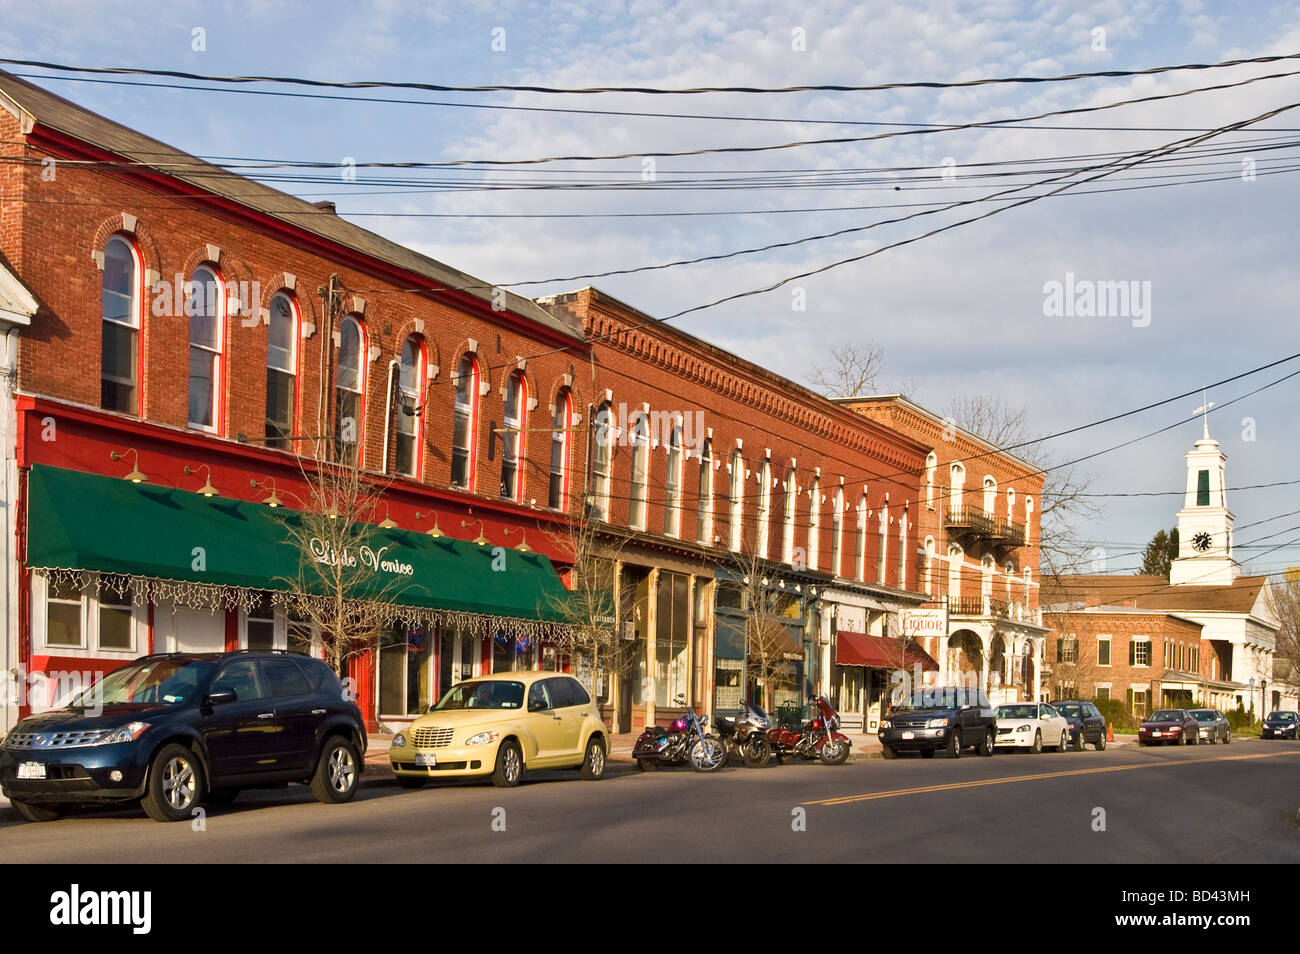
point(767, 636)
point(849, 371)
point(1073, 659)
point(340, 591)
point(1284, 601)
point(1066, 510)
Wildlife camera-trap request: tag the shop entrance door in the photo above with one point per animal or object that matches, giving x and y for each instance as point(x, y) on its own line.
point(178, 630)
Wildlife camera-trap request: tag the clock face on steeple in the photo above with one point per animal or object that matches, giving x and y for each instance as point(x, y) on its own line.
point(1201, 541)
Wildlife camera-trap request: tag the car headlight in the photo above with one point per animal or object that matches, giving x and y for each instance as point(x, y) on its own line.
point(399, 741)
point(1023, 728)
point(483, 738)
point(936, 723)
point(886, 724)
point(127, 733)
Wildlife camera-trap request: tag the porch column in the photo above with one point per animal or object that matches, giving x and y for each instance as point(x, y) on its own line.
point(614, 662)
point(651, 613)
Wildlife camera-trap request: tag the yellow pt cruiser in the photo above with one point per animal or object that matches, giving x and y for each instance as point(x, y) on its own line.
point(500, 725)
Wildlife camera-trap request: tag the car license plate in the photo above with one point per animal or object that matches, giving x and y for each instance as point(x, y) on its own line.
point(909, 735)
point(31, 770)
point(426, 759)
point(1155, 733)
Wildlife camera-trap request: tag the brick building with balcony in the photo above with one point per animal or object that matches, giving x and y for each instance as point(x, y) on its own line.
point(977, 549)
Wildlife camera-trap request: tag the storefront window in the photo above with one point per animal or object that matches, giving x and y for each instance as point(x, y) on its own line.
point(114, 614)
point(261, 624)
point(404, 670)
point(63, 615)
point(672, 630)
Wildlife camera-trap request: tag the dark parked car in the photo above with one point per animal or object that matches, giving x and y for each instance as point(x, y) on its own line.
point(1281, 725)
point(932, 719)
point(1213, 726)
point(1169, 726)
point(1087, 724)
point(179, 729)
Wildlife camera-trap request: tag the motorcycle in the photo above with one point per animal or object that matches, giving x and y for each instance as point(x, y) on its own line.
point(817, 739)
point(747, 735)
point(683, 741)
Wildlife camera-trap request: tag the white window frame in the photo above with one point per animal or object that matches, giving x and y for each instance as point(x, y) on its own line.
point(787, 518)
point(736, 502)
point(280, 632)
point(90, 605)
point(814, 523)
point(215, 353)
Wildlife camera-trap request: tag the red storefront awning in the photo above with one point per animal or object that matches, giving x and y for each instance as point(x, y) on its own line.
point(877, 652)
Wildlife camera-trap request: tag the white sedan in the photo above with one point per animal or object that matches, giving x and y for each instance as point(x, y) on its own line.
point(1031, 725)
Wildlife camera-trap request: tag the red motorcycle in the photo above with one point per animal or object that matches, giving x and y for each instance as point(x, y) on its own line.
point(818, 739)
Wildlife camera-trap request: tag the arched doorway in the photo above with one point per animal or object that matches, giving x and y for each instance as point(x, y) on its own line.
point(997, 665)
point(965, 658)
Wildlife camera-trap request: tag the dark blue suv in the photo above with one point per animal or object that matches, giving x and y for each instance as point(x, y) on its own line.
point(176, 730)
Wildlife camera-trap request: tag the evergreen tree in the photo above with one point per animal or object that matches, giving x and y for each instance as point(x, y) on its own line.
point(1160, 553)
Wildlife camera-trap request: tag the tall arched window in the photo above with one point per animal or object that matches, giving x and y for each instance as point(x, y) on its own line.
point(204, 306)
point(673, 483)
point(958, 483)
point(557, 491)
point(929, 566)
point(119, 378)
point(882, 544)
point(814, 523)
point(990, 495)
point(1029, 515)
point(603, 435)
point(987, 568)
point(764, 507)
point(736, 529)
point(837, 532)
point(349, 392)
point(956, 556)
point(860, 541)
point(931, 462)
point(640, 471)
point(512, 437)
point(408, 412)
point(281, 371)
point(901, 582)
point(787, 516)
point(465, 423)
point(704, 501)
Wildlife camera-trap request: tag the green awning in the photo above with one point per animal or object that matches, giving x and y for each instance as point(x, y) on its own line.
point(78, 521)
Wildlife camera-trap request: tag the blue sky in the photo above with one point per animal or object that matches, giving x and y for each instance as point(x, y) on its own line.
point(957, 314)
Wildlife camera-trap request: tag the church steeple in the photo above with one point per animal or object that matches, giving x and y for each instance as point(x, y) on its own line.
point(1205, 522)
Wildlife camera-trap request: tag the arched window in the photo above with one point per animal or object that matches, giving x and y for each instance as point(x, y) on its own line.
point(955, 559)
point(931, 462)
point(736, 529)
point(673, 483)
point(901, 582)
point(1011, 503)
point(119, 379)
point(409, 375)
point(204, 306)
point(929, 566)
point(882, 543)
point(837, 531)
point(986, 582)
point(958, 473)
point(860, 543)
point(787, 517)
point(764, 506)
point(557, 491)
point(349, 392)
point(704, 501)
point(513, 445)
point(814, 523)
point(990, 495)
point(640, 471)
point(603, 436)
point(1010, 573)
point(465, 423)
point(281, 371)
point(1029, 515)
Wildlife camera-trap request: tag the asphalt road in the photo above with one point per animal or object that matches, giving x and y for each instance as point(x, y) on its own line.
point(1201, 804)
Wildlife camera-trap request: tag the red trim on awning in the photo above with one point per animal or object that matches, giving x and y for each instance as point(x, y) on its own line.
point(877, 652)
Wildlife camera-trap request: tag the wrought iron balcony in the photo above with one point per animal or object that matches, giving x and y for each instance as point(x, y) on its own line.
point(978, 606)
point(1009, 533)
point(971, 520)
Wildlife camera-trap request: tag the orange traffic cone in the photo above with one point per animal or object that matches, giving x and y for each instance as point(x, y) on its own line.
point(1110, 732)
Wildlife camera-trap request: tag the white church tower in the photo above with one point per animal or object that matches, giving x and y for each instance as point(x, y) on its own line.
point(1205, 522)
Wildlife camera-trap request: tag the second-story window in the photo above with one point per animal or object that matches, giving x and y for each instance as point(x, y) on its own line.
point(860, 543)
point(603, 437)
point(764, 508)
point(736, 503)
point(704, 501)
point(408, 407)
point(465, 424)
point(281, 367)
point(349, 392)
point(901, 583)
point(512, 437)
point(837, 532)
point(814, 523)
point(203, 306)
point(557, 491)
point(120, 360)
point(640, 471)
point(673, 483)
point(787, 517)
point(882, 544)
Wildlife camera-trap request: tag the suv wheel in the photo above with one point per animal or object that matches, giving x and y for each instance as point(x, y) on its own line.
point(593, 764)
point(338, 773)
point(36, 813)
point(510, 765)
point(1101, 742)
point(954, 744)
point(174, 786)
point(985, 747)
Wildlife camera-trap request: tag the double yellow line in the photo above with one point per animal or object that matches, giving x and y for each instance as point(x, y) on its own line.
point(953, 786)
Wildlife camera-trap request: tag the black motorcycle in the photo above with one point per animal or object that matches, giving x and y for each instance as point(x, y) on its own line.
point(683, 741)
point(747, 735)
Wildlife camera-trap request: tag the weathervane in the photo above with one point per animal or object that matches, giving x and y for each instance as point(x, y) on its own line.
point(1204, 411)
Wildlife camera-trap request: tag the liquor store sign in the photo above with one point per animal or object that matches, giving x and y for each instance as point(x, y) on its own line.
point(921, 623)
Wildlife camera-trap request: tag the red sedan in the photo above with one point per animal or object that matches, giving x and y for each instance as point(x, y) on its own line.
point(1169, 726)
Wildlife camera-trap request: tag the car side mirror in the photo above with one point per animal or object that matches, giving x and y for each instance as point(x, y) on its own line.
point(219, 696)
